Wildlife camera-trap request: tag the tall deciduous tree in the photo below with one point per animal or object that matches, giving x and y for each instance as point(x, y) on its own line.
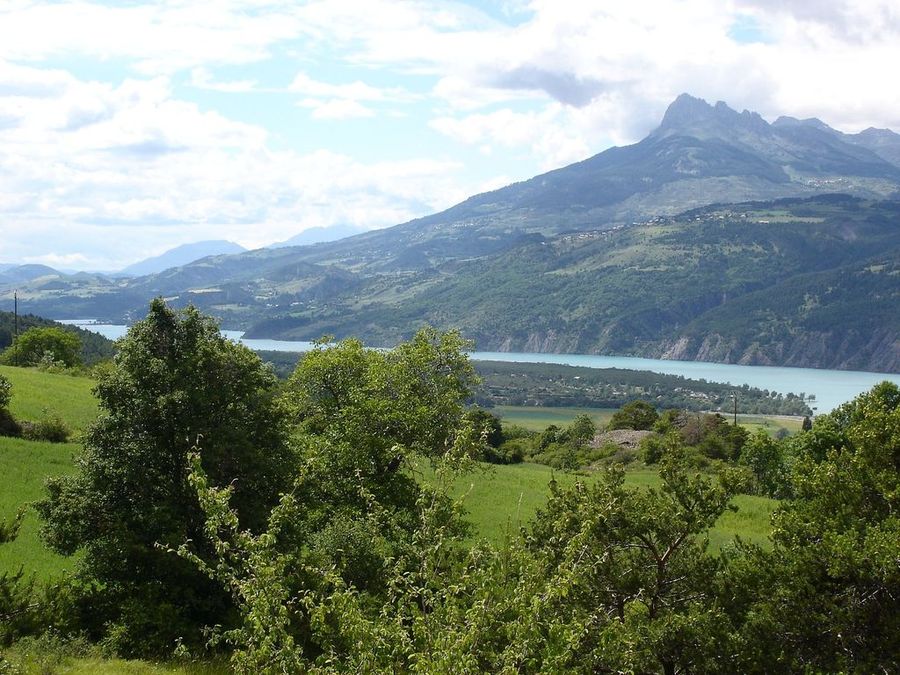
point(176, 383)
point(362, 414)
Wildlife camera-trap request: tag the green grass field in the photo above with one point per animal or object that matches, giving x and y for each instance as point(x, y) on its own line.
point(537, 418)
point(25, 465)
point(45, 657)
point(499, 499)
point(502, 499)
point(33, 392)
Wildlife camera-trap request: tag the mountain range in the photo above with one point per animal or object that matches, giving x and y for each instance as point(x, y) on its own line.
point(719, 237)
point(181, 255)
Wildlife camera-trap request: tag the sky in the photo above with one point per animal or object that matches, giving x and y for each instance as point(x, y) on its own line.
point(128, 128)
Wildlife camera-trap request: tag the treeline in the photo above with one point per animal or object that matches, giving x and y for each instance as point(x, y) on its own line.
point(553, 385)
point(93, 348)
point(284, 526)
point(544, 384)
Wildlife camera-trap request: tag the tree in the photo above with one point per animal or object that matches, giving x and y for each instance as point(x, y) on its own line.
point(829, 597)
point(362, 415)
point(638, 415)
point(37, 344)
point(765, 457)
point(488, 423)
point(625, 581)
point(581, 431)
point(176, 383)
point(356, 541)
point(14, 595)
point(408, 399)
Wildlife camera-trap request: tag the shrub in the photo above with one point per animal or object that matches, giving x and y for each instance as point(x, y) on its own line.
point(5, 388)
point(8, 424)
point(638, 415)
point(50, 428)
point(511, 452)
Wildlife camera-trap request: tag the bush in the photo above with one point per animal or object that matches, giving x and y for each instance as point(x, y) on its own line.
point(638, 415)
point(8, 424)
point(5, 394)
point(511, 452)
point(50, 428)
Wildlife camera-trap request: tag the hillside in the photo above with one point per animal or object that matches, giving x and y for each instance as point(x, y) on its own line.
point(181, 255)
point(760, 283)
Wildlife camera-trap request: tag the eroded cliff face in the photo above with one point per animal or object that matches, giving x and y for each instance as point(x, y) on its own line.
point(840, 350)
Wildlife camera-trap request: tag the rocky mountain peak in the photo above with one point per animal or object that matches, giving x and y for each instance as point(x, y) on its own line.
point(688, 114)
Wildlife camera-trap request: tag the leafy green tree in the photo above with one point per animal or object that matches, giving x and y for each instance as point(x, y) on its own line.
point(37, 344)
point(176, 383)
point(638, 415)
point(5, 392)
point(14, 594)
point(355, 535)
point(410, 396)
point(549, 436)
point(829, 597)
point(488, 423)
point(766, 458)
point(626, 577)
point(581, 431)
point(365, 415)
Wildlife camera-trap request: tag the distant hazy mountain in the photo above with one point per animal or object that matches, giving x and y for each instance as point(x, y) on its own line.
point(623, 253)
point(20, 274)
point(318, 235)
point(181, 255)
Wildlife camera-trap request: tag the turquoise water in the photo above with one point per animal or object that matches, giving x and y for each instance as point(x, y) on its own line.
point(830, 387)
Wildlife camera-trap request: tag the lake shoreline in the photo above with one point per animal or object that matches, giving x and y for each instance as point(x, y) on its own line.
point(829, 387)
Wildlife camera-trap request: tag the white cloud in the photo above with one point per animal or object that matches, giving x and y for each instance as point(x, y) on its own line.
point(354, 91)
point(139, 163)
point(160, 38)
point(330, 101)
point(203, 79)
point(336, 109)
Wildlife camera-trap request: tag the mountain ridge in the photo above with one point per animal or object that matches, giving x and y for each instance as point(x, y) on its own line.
point(180, 255)
point(483, 264)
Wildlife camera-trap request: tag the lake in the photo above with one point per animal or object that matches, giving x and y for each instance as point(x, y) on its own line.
point(830, 387)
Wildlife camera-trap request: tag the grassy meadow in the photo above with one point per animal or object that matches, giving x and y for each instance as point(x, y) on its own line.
point(499, 499)
point(537, 418)
point(34, 394)
point(25, 465)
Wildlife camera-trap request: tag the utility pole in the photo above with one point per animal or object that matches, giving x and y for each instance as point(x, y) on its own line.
point(16, 326)
point(734, 396)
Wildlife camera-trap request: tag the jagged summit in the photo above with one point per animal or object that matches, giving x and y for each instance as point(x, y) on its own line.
point(813, 122)
point(690, 115)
